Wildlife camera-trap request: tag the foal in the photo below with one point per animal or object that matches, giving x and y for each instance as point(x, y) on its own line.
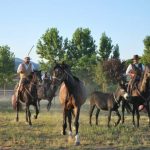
point(107, 101)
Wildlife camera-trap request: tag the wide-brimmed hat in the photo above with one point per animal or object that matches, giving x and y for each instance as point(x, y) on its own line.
point(27, 58)
point(136, 57)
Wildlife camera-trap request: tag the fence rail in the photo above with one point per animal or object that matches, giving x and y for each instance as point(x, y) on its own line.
point(6, 92)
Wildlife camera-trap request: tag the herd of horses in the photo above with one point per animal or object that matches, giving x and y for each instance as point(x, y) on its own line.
point(72, 95)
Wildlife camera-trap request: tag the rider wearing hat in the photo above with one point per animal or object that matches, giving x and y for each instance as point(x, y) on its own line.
point(24, 69)
point(134, 71)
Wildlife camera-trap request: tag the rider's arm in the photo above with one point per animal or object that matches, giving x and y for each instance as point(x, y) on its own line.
point(19, 70)
point(128, 69)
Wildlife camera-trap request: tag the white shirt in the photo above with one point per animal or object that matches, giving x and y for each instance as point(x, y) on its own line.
point(26, 66)
point(130, 68)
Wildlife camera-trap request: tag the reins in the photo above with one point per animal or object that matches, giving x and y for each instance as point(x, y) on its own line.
point(116, 99)
point(141, 95)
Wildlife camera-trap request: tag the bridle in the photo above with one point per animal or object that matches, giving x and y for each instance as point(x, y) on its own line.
point(59, 80)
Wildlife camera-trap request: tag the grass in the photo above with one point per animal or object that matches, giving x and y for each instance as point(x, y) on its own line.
point(45, 132)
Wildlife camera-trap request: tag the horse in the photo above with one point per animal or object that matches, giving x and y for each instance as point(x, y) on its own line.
point(140, 95)
point(44, 91)
point(107, 101)
point(122, 79)
point(72, 96)
point(27, 94)
point(14, 98)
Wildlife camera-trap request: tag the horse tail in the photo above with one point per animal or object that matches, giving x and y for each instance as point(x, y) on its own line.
point(14, 104)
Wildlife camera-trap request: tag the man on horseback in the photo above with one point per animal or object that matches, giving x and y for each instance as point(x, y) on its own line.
point(24, 70)
point(134, 71)
point(46, 82)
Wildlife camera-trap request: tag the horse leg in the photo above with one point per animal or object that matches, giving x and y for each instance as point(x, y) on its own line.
point(64, 121)
point(109, 116)
point(90, 113)
point(119, 117)
point(38, 103)
point(138, 116)
point(36, 110)
point(28, 114)
point(123, 109)
point(17, 106)
point(17, 110)
point(97, 113)
point(133, 114)
point(148, 111)
point(48, 105)
point(69, 121)
point(76, 123)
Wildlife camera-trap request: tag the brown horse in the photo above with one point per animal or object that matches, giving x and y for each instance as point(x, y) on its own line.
point(140, 95)
point(27, 94)
point(107, 101)
point(72, 96)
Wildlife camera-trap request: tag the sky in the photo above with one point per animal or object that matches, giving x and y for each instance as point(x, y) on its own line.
point(23, 22)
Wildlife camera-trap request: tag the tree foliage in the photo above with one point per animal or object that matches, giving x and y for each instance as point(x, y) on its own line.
point(82, 52)
point(116, 53)
point(7, 64)
point(105, 47)
point(146, 55)
point(50, 47)
point(108, 72)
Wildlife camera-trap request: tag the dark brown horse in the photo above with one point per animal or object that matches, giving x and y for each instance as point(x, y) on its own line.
point(27, 94)
point(45, 92)
point(140, 95)
point(72, 96)
point(107, 101)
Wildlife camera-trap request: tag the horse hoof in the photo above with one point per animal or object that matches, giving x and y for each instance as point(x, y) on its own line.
point(77, 143)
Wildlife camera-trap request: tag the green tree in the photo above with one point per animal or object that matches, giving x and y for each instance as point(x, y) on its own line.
point(100, 77)
point(81, 52)
point(146, 55)
point(105, 47)
point(7, 65)
point(116, 53)
point(50, 48)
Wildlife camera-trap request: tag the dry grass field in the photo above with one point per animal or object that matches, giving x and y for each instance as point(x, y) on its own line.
point(45, 132)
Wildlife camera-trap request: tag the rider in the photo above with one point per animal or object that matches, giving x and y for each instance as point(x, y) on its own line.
point(24, 69)
point(134, 71)
point(46, 79)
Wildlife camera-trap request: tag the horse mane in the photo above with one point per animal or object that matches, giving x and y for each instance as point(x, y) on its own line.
point(76, 78)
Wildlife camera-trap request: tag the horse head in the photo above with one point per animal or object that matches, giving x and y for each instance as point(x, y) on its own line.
point(146, 79)
point(60, 73)
point(122, 89)
point(36, 76)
